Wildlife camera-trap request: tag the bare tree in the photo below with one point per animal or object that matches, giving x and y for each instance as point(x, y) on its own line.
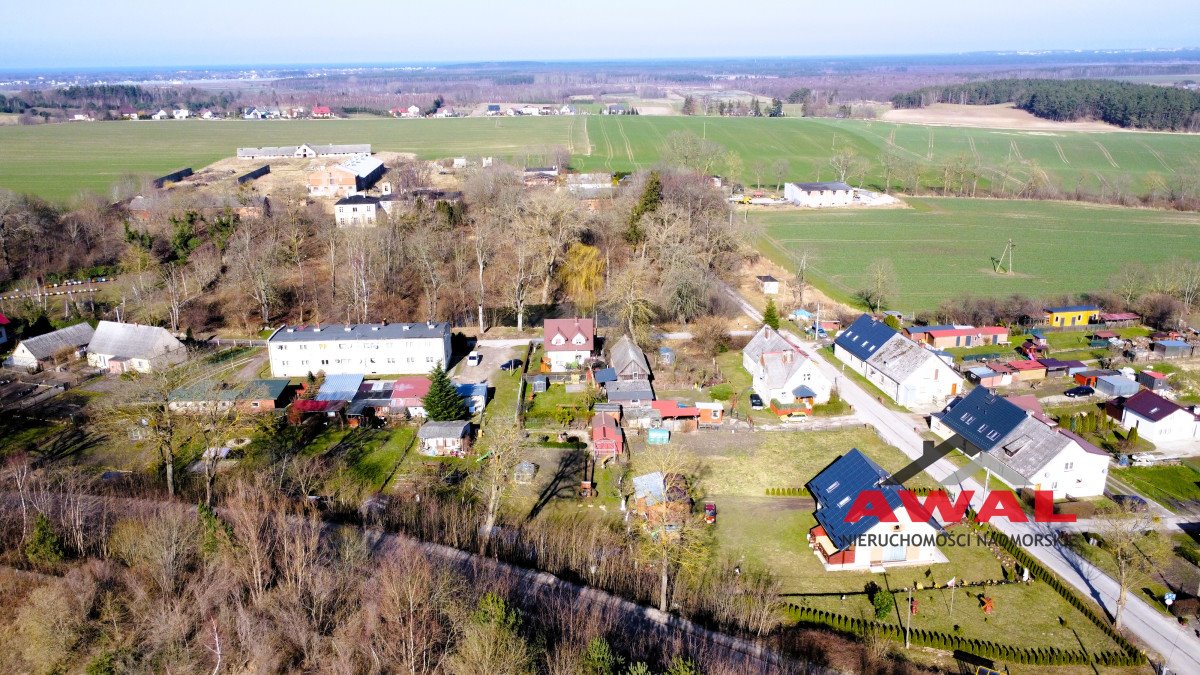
point(779, 171)
point(502, 444)
point(1136, 548)
point(880, 284)
point(1129, 282)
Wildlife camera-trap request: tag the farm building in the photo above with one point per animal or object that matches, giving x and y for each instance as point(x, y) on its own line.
point(1072, 315)
point(835, 539)
point(130, 347)
point(173, 177)
point(1158, 419)
point(255, 396)
point(907, 372)
point(945, 338)
point(352, 176)
point(445, 439)
point(1172, 349)
point(35, 352)
point(322, 112)
point(628, 360)
point(768, 284)
point(568, 343)
point(782, 374)
point(356, 211)
point(1152, 380)
point(1022, 448)
point(1119, 319)
point(607, 439)
point(304, 151)
point(296, 351)
point(816, 195)
point(1116, 385)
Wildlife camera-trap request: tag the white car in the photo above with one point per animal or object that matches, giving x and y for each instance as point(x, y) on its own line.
point(474, 359)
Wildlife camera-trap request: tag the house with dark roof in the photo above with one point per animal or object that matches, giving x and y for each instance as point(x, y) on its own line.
point(867, 543)
point(568, 343)
point(819, 195)
point(362, 348)
point(908, 373)
point(1021, 446)
point(782, 375)
point(1158, 419)
point(35, 352)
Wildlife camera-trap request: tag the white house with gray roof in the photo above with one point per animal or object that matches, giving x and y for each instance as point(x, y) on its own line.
point(366, 348)
point(131, 347)
point(908, 373)
point(781, 372)
point(30, 354)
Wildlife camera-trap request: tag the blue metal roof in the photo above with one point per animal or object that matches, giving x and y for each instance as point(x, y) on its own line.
point(1074, 308)
point(605, 375)
point(339, 388)
point(802, 313)
point(836, 488)
point(864, 337)
point(804, 392)
point(983, 418)
point(468, 390)
point(1172, 343)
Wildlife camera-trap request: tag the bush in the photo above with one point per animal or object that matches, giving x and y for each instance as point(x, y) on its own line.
point(884, 604)
point(44, 548)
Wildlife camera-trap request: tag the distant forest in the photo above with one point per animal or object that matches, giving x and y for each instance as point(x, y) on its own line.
point(1135, 106)
point(100, 97)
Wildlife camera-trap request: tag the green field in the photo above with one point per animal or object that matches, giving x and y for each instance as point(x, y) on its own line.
point(943, 247)
point(59, 160)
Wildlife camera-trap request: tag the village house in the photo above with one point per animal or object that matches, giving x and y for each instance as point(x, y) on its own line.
point(1158, 419)
point(1071, 315)
point(445, 439)
point(607, 439)
point(321, 112)
point(63, 344)
point(181, 113)
point(818, 195)
point(356, 211)
point(835, 539)
point(968, 336)
point(908, 373)
point(371, 348)
point(493, 109)
point(130, 347)
point(590, 185)
point(786, 379)
point(409, 112)
point(160, 115)
point(355, 175)
point(304, 151)
point(568, 344)
point(1021, 446)
point(256, 396)
point(628, 360)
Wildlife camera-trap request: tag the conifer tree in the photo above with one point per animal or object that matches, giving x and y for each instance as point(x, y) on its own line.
point(771, 315)
point(443, 402)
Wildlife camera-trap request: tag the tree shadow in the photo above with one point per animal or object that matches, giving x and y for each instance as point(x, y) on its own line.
point(571, 469)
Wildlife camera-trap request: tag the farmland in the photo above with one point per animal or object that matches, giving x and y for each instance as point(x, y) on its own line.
point(942, 247)
point(57, 161)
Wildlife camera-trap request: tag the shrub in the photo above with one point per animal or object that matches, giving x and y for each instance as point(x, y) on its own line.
point(884, 604)
point(44, 548)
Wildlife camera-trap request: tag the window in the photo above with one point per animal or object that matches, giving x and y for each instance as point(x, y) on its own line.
point(843, 501)
point(579, 339)
point(1069, 466)
point(834, 485)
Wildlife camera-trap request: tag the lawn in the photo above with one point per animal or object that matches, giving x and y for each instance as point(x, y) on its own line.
point(943, 247)
point(1166, 485)
point(547, 406)
point(370, 456)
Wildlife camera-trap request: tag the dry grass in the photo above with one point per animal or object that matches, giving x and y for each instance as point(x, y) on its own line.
point(1003, 116)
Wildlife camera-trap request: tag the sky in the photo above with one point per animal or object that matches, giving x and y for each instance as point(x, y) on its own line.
point(160, 33)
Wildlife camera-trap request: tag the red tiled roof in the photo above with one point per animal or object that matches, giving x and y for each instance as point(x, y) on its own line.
point(675, 409)
point(305, 405)
point(568, 329)
point(321, 110)
point(1026, 365)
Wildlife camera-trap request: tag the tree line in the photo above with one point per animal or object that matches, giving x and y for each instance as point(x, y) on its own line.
point(1124, 104)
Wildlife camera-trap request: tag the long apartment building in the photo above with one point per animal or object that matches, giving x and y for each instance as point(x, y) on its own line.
point(361, 348)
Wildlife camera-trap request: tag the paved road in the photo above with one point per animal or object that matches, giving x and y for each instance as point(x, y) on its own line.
point(1180, 647)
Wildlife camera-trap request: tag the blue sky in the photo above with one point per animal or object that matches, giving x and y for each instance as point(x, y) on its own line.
point(154, 33)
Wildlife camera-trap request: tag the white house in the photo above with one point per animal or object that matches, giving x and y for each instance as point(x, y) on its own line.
point(1159, 419)
point(160, 115)
point(782, 374)
point(356, 211)
point(31, 353)
point(909, 374)
point(818, 195)
point(131, 347)
point(1023, 448)
point(768, 284)
point(181, 113)
point(568, 343)
point(367, 348)
point(868, 543)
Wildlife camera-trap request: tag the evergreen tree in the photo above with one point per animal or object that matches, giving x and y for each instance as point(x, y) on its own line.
point(652, 197)
point(1132, 438)
point(689, 105)
point(776, 109)
point(44, 548)
point(755, 108)
point(771, 315)
point(443, 402)
point(892, 322)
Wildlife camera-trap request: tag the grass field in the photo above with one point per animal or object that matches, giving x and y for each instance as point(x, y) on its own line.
point(943, 247)
point(1166, 485)
point(59, 160)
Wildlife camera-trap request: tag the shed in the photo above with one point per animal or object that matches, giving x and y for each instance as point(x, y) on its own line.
point(1088, 378)
point(768, 284)
point(540, 384)
point(1152, 380)
point(658, 437)
point(1028, 370)
point(666, 356)
point(605, 375)
point(613, 410)
point(1116, 385)
point(607, 440)
point(1172, 349)
point(524, 472)
point(1054, 367)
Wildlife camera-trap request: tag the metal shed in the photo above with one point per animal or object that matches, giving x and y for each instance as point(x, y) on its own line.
point(1116, 385)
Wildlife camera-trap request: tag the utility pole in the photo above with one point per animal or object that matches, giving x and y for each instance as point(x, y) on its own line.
point(908, 623)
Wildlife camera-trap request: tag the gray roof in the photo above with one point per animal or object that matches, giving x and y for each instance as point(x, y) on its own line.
point(362, 166)
point(651, 486)
point(132, 341)
point(1030, 446)
point(899, 358)
point(983, 418)
point(628, 359)
point(810, 187)
point(779, 368)
point(361, 331)
point(454, 429)
point(766, 341)
point(629, 390)
point(353, 200)
point(290, 150)
point(74, 337)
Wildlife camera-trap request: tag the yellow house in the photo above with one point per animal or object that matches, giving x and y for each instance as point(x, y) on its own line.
point(1073, 315)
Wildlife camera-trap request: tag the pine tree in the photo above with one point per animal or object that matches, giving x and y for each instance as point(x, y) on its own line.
point(771, 315)
point(44, 548)
point(652, 197)
point(689, 105)
point(443, 402)
point(1132, 438)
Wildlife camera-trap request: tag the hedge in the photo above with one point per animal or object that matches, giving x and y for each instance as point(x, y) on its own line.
point(787, 492)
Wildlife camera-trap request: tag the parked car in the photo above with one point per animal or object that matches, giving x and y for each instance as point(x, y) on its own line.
point(1079, 392)
point(756, 402)
point(511, 364)
point(710, 513)
point(1130, 502)
point(474, 359)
